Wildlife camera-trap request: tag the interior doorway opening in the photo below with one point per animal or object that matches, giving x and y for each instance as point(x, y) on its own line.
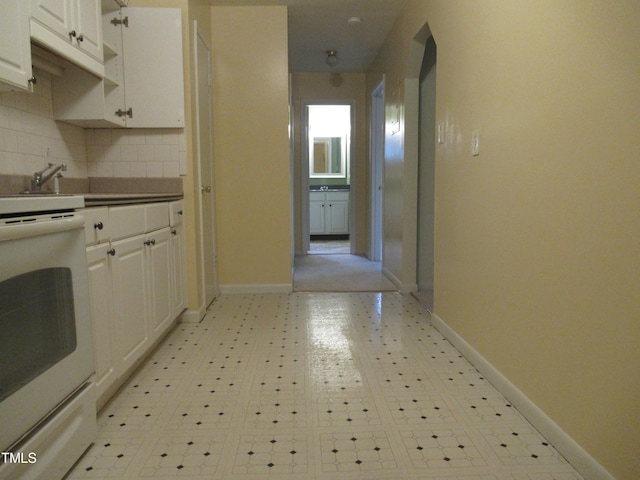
point(327, 194)
point(426, 176)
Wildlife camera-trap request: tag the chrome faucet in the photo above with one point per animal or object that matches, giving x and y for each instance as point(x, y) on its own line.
point(39, 178)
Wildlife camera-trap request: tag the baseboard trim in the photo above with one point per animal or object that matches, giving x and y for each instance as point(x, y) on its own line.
point(577, 456)
point(257, 288)
point(404, 288)
point(193, 316)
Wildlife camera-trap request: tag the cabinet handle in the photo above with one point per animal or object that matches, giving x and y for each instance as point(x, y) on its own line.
point(149, 242)
point(122, 113)
point(33, 80)
point(179, 212)
point(98, 226)
point(174, 231)
point(72, 34)
point(80, 38)
point(111, 252)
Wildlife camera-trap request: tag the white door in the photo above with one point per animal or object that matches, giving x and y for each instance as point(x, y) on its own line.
point(377, 149)
point(205, 159)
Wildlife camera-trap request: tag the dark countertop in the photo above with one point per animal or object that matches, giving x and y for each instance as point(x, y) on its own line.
point(103, 199)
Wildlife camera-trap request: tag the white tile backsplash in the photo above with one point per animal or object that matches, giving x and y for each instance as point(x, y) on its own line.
point(30, 137)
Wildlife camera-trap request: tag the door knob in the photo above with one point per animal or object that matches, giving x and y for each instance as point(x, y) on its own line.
point(206, 189)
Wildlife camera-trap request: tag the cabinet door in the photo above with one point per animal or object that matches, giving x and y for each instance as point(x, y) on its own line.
point(15, 46)
point(101, 304)
point(54, 24)
point(316, 217)
point(130, 301)
point(178, 273)
point(88, 17)
point(153, 68)
point(159, 271)
point(337, 217)
point(96, 225)
point(55, 15)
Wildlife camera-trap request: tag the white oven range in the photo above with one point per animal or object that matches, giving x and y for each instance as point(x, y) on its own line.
point(47, 402)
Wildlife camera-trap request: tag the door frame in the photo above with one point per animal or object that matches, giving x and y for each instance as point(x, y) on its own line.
point(377, 172)
point(304, 169)
point(207, 296)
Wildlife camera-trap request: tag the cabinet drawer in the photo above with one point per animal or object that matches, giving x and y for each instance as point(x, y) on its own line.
point(96, 225)
point(176, 213)
point(127, 221)
point(157, 216)
point(338, 196)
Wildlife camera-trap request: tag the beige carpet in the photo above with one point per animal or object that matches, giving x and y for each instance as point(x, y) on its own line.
point(339, 273)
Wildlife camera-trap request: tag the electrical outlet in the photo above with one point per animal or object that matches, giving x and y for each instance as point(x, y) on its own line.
point(475, 143)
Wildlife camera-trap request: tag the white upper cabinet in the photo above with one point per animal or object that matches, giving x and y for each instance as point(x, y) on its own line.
point(143, 85)
point(154, 89)
point(70, 28)
point(15, 46)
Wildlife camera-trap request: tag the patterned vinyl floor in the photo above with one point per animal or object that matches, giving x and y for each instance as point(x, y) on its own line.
point(314, 386)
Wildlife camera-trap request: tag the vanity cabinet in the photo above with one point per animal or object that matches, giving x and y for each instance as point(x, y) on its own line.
point(143, 84)
point(136, 274)
point(15, 46)
point(329, 213)
point(70, 28)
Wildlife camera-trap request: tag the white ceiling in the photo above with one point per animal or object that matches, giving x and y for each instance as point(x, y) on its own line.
point(316, 26)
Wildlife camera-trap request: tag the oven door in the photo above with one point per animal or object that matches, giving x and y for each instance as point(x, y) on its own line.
point(45, 326)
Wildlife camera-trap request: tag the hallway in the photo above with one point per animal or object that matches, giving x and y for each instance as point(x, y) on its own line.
point(314, 386)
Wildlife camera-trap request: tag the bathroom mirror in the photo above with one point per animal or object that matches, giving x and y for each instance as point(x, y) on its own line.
point(327, 157)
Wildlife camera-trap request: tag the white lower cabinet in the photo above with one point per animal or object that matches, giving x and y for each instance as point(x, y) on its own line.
point(129, 332)
point(101, 311)
point(136, 285)
point(159, 271)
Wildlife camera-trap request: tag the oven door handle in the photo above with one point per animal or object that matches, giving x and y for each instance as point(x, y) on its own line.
point(37, 227)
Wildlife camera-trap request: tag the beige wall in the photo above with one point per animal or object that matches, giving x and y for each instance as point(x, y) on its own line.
point(251, 147)
point(536, 251)
point(339, 86)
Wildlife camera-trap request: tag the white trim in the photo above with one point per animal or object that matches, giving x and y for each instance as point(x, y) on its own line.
point(193, 316)
point(304, 170)
point(404, 288)
point(257, 288)
point(584, 463)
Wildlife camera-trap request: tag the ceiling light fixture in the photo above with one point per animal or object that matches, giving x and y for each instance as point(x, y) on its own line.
point(332, 58)
point(354, 20)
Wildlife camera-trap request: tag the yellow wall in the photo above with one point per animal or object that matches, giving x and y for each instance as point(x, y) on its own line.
point(251, 146)
point(537, 260)
point(343, 86)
